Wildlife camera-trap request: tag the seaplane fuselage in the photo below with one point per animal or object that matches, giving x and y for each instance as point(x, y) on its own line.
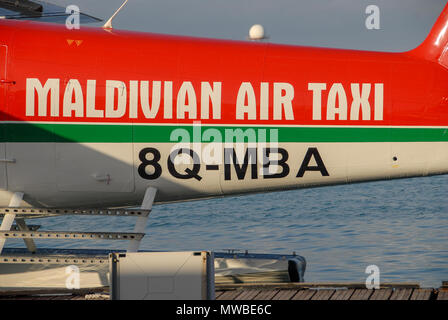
point(93, 117)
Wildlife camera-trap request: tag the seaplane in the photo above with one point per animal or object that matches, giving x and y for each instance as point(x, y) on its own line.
point(97, 119)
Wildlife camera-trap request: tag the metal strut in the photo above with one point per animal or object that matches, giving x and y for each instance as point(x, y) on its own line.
point(30, 213)
point(22, 231)
point(8, 220)
point(70, 235)
point(53, 260)
point(140, 225)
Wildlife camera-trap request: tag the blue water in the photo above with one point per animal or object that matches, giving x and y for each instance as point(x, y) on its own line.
point(401, 226)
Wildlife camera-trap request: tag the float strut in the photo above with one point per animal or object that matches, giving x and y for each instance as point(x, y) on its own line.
point(140, 225)
point(9, 218)
point(29, 242)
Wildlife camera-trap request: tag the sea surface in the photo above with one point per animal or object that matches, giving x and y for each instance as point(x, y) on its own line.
point(401, 226)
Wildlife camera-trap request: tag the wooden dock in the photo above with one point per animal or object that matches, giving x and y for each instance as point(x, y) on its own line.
point(328, 291)
point(332, 294)
point(281, 291)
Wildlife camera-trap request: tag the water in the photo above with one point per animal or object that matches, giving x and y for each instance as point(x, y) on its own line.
point(401, 226)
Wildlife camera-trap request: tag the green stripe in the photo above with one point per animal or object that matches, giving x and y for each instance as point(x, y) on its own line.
point(32, 132)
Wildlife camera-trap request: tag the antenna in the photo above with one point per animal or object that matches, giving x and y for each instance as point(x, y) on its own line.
point(256, 32)
point(108, 24)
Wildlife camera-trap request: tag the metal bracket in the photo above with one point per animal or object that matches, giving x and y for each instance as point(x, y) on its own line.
point(52, 260)
point(45, 212)
point(71, 235)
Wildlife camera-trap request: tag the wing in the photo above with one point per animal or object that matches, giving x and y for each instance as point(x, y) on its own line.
point(38, 10)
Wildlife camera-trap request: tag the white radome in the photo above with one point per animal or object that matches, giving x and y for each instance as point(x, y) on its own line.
point(256, 32)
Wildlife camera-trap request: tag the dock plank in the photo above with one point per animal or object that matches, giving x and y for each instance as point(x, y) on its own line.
point(381, 294)
point(229, 295)
point(361, 294)
point(63, 297)
point(421, 294)
point(218, 293)
point(248, 294)
point(323, 294)
point(342, 294)
point(284, 295)
point(305, 294)
point(266, 294)
point(443, 295)
point(401, 294)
